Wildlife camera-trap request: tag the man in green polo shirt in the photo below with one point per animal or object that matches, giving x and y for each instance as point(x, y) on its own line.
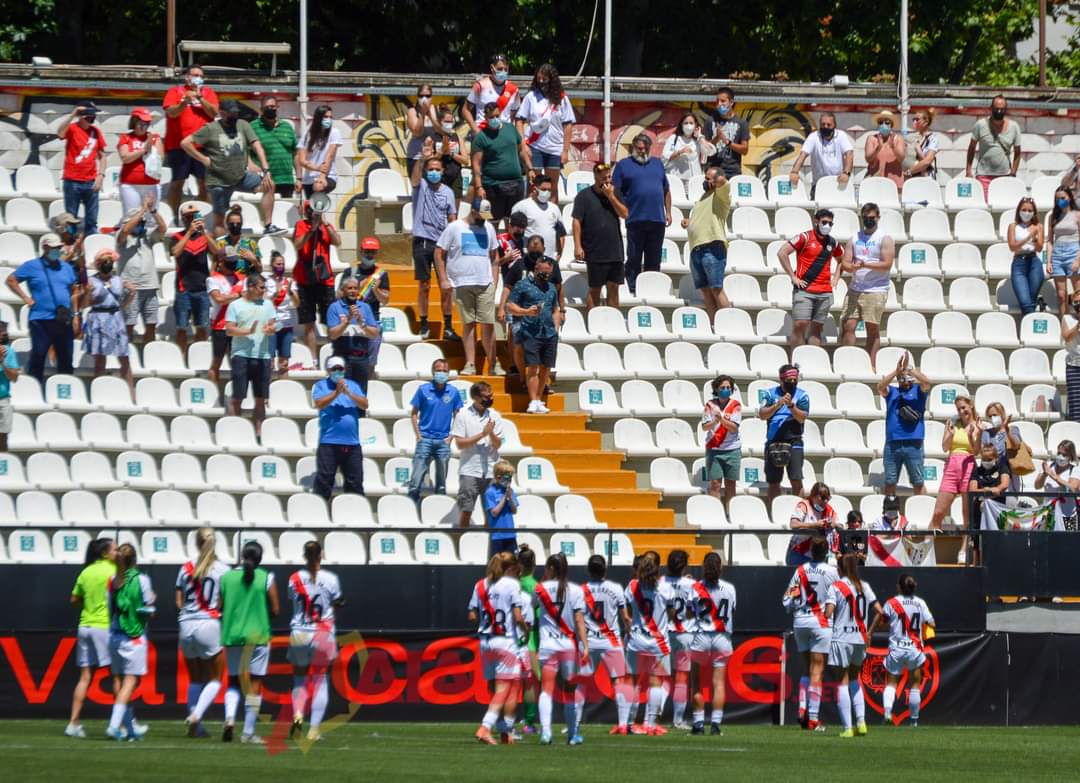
point(279, 142)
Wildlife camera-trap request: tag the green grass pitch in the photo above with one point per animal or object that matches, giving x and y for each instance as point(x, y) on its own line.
point(38, 750)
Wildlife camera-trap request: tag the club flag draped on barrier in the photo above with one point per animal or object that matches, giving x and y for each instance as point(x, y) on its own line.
point(897, 552)
point(1037, 518)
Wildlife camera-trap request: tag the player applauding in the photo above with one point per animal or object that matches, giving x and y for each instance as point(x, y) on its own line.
point(314, 593)
point(562, 626)
point(498, 609)
point(805, 598)
point(849, 602)
point(683, 627)
point(605, 610)
point(131, 605)
point(198, 600)
point(647, 649)
point(910, 621)
point(714, 606)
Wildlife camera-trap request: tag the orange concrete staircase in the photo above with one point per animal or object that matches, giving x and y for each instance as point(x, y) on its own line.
point(562, 436)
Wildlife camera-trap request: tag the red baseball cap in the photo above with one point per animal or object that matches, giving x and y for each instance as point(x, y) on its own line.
point(141, 114)
point(370, 243)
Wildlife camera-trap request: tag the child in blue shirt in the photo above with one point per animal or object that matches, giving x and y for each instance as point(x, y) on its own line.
point(500, 505)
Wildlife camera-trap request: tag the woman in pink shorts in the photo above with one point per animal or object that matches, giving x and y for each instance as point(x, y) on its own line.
point(961, 438)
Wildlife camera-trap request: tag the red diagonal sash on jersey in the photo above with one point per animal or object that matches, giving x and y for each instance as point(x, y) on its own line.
point(298, 586)
point(200, 599)
point(509, 91)
point(882, 553)
point(650, 623)
point(552, 610)
point(811, 597)
point(849, 594)
point(485, 599)
point(901, 612)
point(710, 604)
point(605, 629)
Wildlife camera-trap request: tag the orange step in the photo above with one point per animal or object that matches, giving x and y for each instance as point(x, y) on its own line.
point(623, 517)
point(555, 440)
point(599, 479)
point(579, 459)
point(619, 500)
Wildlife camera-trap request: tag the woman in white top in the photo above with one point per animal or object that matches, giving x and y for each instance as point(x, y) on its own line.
point(1063, 244)
point(686, 150)
point(317, 151)
point(1061, 474)
point(546, 121)
point(920, 159)
point(1025, 238)
point(1070, 335)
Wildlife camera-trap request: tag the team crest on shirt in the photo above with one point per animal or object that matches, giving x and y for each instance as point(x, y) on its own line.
point(873, 678)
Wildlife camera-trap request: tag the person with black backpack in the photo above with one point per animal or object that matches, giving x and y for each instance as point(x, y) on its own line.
point(785, 408)
point(905, 430)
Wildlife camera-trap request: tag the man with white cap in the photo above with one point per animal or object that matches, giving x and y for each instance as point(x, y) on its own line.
point(138, 231)
point(51, 282)
point(339, 402)
point(465, 260)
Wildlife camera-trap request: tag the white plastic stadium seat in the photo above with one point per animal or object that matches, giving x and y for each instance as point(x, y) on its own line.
point(964, 193)
point(880, 191)
point(784, 194)
point(919, 189)
point(830, 194)
point(930, 225)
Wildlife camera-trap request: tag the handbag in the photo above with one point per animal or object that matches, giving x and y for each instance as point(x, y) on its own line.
point(1021, 463)
point(909, 415)
point(778, 453)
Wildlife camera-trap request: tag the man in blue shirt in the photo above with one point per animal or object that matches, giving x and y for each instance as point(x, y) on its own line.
point(50, 281)
point(339, 402)
point(534, 304)
point(785, 407)
point(434, 208)
point(433, 408)
point(351, 324)
point(500, 505)
point(905, 430)
point(9, 361)
point(642, 185)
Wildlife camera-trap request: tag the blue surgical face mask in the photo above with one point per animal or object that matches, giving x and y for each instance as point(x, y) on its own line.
point(503, 481)
point(500, 76)
point(327, 122)
point(1062, 203)
point(53, 254)
point(494, 123)
point(337, 375)
point(723, 394)
point(196, 82)
point(440, 377)
point(434, 177)
point(884, 129)
point(723, 110)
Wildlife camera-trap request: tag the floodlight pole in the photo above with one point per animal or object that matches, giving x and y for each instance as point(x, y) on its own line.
point(302, 98)
point(905, 106)
point(607, 81)
point(1042, 43)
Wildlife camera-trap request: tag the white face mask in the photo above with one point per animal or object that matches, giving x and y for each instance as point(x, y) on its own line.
point(448, 126)
point(988, 464)
point(641, 157)
point(824, 229)
point(1026, 216)
point(1062, 460)
point(996, 421)
point(688, 128)
point(543, 196)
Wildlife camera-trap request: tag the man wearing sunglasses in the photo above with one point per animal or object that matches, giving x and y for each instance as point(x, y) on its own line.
point(813, 278)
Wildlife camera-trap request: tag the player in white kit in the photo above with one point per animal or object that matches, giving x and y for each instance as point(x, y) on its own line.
point(850, 602)
point(714, 608)
point(562, 627)
point(605, 614)
point(648, 651)
point(910, 622)
point(805, 599)
point(314, 593)
point(683, 628)
point(198, 601)
point(498, 608)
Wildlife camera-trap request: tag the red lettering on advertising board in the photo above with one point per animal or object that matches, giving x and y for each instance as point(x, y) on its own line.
point(746, 662)
point(36, 694)
point(443, 683)
point(378, 683)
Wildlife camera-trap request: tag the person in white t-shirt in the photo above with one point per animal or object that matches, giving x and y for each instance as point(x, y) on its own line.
point(723, 450)
point(317, 150)
point(868, 258)
point(465, 261)
point(478, 430)
point(830, 151)
point(284, 295)
point(546, 121)
point(543, 214)
point(496, 88)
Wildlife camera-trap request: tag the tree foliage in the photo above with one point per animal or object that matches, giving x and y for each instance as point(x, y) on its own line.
point(957, 41)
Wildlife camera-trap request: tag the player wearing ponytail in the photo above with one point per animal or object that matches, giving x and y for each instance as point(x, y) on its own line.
point(562, 630)
point(90, 596)
point(714, 607)
point(805, 599)
point(850, 602)
point(910, 624)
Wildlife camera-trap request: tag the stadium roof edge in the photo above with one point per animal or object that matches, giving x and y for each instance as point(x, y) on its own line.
point(120, 77)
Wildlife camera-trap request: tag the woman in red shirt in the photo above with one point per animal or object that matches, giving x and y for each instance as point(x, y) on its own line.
point(135, 148)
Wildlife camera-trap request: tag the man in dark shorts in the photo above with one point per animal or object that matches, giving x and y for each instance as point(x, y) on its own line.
point(535, 302)
point(313, 274)
point(434, 207)
point(786, 408)
point(511, 275)
point(500, 160)
point(188, 106)
point(251, 322)
point(598, 236)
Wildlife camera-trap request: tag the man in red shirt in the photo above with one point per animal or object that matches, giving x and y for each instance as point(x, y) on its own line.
point(813, 278)
point(84, 163)
point(188, 106)
point(314, 277)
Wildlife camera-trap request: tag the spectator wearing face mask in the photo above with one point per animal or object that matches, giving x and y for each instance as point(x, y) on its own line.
point(535, 302)
point(352, 327)
point(1025, 237)
point(142, 155)
point(250, 323)
point(920, 158)
point(317, 152)
point(140, 230)
point(9, 362)
point(234, 245)
point(51, 284)
point(999, 430)
point(891, 520)
point(224, 287)
point(728, 133)
point(420, 120)
point(1061, 474)
point(885, 150)
point(813, 278)
point(511, 276)
point(192, 302)
point(478, 432)
point(853, 538)
point(495, 88)
point(339, 402)
point(868, 258)
point(989, 481)
point(686, 150)
point(1063, 244)
point(500, 505)
point(830, 151)
point(707, 231)
point(105, 332)
point(905, 430)
point(434, 406)
point(84, 163)
point(188, 107)
point(811, 517)
point(434, 208)
point(373, 289)
point(642, 185)
point(723, 449)
point(281, 291)
point(441, 141)
point(499, 161)
point(225, 147)
point(546, 122)
point(542, 215)
point(312, 239)
point(598, 237)
point(994, 139)
point(785, 408)
point(278, 140)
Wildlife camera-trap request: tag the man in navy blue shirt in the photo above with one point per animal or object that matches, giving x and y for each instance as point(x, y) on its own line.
point(642, 185)
point(433, 408)
point(50, 281)
point(339, 402)
point(785, 407)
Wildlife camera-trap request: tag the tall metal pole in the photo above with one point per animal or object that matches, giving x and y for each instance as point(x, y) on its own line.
point(904, 104)
point(170, 33)
point(303, 97)
point(607, 81)
point(1042, 43)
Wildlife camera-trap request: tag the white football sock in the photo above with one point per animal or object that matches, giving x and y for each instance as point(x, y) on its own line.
point(717, 717)
point(843, 703)
point(300, 695)
point(622, 703)
point(117, 717)
point(194, 690)
point(814, 702)
point(914, 699)
point(252, 704)
point(570, 714)
point(489, 718)
point(543, 706)
point(887, 699)
point(319, 701)
point(654, 705)
point(858, 703)
point(699, 716)
point(232, 702)
point(206, 698)
point(804, 683)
